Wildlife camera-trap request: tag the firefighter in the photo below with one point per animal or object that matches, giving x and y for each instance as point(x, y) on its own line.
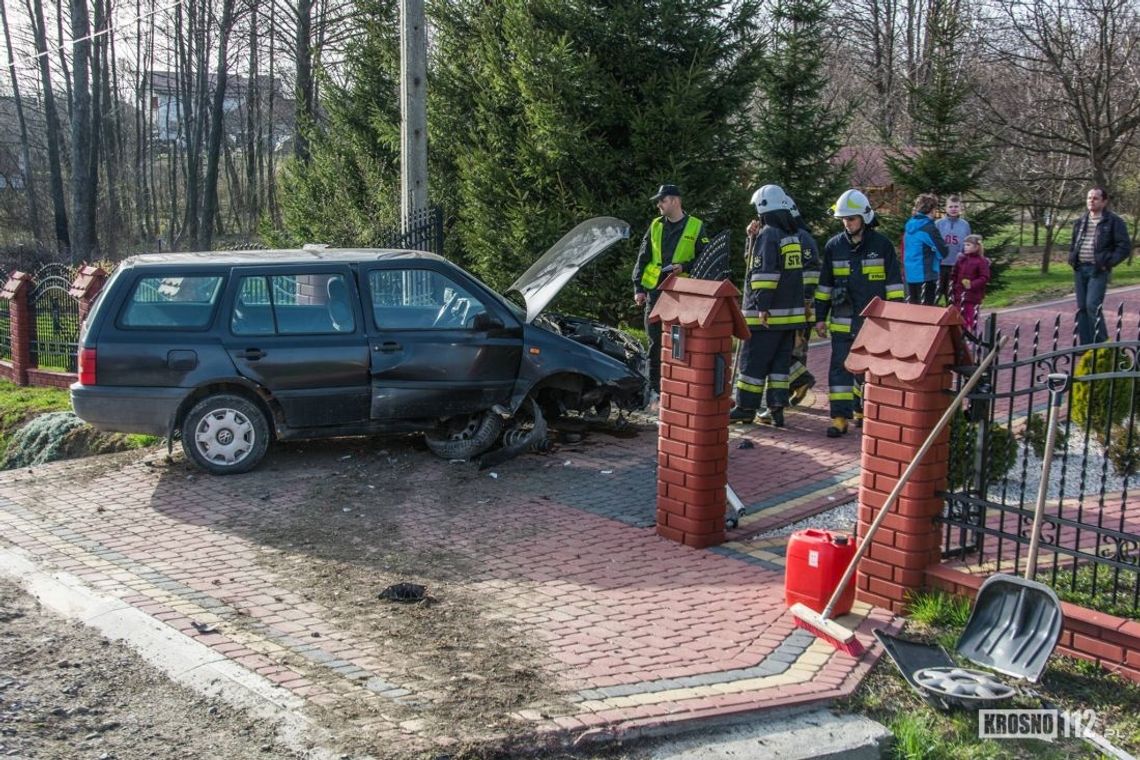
point(858, 265)
point(800, 380)
point(773, 307)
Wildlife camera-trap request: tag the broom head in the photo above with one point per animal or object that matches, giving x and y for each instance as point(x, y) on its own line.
point(843, 639)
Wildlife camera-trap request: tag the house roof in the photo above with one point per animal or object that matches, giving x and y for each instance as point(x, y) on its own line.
point(903, 339)
point(704, 309)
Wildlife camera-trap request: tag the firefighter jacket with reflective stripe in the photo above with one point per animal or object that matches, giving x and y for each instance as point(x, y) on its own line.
point(811, 264)
point(647, 270)
point(775, 281)
point(851, 275)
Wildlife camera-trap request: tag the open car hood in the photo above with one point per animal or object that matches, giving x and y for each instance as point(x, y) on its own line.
point(577, 248)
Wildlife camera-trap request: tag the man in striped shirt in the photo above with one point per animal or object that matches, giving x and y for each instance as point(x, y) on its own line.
point(1100, 242)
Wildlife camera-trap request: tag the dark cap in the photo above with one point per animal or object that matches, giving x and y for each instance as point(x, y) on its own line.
point(665, 190)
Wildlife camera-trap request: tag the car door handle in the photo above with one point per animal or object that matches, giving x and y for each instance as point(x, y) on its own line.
point(388, 347)
point(252, 354)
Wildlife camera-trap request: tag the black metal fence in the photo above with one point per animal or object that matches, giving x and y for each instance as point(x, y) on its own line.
point(55, 319)
point(5, 331)
point(422, 231)
point(1090, 536)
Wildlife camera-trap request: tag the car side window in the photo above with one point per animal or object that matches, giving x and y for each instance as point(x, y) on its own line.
point(422, 299)
point(172, 303)
point(293, 304)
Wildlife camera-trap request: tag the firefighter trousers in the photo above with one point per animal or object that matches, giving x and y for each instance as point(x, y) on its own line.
point(844, 390)
point(767, 358)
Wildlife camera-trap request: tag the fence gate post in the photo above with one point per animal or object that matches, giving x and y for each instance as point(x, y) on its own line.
point(86, 286)
point(908, 353)
point(16, 290)
point(699, 319)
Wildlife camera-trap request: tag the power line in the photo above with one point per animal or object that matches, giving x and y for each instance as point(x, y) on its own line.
point(27, 60)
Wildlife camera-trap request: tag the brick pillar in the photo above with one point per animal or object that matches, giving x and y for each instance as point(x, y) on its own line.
point(16, 290)
point(696, 393)
point(87, 285)
point(907, 352)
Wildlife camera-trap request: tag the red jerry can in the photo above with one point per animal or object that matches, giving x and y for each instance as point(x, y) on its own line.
point(816, 562)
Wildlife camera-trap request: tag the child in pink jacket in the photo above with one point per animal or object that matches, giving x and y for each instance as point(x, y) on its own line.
point(971, 273)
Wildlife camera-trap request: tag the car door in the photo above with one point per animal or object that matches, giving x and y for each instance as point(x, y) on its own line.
point(298, 331)
point(441, 345)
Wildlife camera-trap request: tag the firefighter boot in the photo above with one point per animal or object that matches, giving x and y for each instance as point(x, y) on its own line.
point(838, 427)
point(740, 414)
point(807, 382)
point(772, 416)
point(858, 419)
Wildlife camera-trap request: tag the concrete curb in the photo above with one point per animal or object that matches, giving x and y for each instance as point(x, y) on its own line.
point(814, 734)
point(184, 660)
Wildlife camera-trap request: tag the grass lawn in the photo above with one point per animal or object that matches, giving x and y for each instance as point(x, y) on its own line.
point(922, 732)
point(1024, 283)
point(19, 404)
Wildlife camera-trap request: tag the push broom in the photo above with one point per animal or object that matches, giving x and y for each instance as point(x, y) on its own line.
point(820, 623)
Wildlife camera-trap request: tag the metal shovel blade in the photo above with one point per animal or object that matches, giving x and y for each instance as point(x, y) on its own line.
point(1014, 627)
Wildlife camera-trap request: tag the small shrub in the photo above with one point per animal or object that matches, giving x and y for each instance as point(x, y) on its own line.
point(1037, 430)
point(1090, 403)
point(1001, 452)
point(41, 440)
point(1105, 407)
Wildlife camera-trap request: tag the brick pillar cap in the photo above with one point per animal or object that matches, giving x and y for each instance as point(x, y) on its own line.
point(17, 281)
point(87, 277)
point(903, 339)
point(699, 303)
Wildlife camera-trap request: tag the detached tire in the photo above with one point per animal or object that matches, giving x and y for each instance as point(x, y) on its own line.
point(225, 434)
point(465, 437)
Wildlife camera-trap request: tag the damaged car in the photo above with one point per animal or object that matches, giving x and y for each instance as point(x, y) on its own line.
point(231, 350)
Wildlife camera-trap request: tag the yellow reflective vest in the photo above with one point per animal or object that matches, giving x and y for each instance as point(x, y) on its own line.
point(685, 251)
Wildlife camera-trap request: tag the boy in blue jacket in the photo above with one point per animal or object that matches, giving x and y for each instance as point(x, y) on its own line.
point(923, 251)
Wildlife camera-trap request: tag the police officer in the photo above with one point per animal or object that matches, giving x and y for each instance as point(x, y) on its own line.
point(858, 265)
point(671, 244)
point(773, 307)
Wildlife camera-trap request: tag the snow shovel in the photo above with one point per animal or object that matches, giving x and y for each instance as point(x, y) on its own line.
point(1016, 622)
point(820, 624)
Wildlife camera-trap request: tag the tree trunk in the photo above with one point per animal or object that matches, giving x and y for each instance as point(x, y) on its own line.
point(1047, 254)
point(54, 133)
point(83, 184)
point(217, 128)
point(252, 120)
point(25, 150)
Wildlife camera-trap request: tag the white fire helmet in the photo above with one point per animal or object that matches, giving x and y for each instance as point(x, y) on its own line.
point(853, 203)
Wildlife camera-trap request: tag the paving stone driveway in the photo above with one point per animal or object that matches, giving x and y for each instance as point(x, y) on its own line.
point(628, 630)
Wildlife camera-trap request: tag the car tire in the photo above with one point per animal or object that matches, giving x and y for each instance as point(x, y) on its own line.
point(465, 437)
point(225, 434)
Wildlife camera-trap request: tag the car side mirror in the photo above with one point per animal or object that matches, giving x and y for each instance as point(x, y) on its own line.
point(485, 321)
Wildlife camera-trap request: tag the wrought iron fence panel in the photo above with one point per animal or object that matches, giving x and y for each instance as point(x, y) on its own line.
point(55, 319)
point(1090, 542)
point(422, 231)
point(5, 331)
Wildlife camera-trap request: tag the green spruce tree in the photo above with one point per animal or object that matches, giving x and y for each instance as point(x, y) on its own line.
point(547, 112)
point(949, 155)
point(349, 192)
point(799, 130)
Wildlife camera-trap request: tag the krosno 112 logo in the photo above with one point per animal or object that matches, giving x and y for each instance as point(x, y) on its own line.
point(1047, 725)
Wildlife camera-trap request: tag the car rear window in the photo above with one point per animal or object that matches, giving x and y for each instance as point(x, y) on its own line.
point(293, 304)
point(172, 303)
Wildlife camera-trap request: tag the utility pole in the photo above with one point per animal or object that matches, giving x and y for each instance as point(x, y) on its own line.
point(413, 110)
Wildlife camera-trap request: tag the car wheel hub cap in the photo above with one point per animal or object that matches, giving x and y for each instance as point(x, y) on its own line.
point(224, 436)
